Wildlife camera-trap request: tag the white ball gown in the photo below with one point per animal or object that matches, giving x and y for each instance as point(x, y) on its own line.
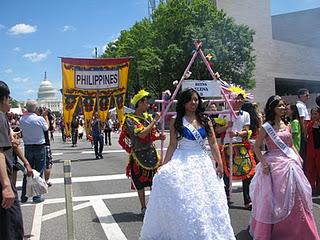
point(187, 200)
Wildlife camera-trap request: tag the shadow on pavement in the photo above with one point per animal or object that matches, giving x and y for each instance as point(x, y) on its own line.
point(316, 200)
point(243, 235)
point(238, 207)
point(122, 217)
point(78, 160)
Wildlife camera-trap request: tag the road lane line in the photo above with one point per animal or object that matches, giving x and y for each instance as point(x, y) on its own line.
point(104, 178)
point(86, 179)
point(97, 197)
point(113, 151)
point(110, 227)
point(63, 211)
point(37, 219)
point(88, 198)
point(57, 154)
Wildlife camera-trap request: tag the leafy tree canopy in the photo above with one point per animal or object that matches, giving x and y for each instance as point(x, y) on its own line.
point(162, 46)
point(14, 103)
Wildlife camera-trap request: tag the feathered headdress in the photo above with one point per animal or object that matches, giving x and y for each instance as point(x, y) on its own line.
point(236, 90)
point(141, 94)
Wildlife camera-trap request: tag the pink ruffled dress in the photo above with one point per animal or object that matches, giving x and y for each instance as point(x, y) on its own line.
point(282, 200)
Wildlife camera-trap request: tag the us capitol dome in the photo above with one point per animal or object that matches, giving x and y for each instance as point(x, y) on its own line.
point(47, 95)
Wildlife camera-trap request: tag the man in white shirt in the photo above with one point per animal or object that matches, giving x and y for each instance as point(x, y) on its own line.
point(239, 129)
point(303, 96)
point(33, 128)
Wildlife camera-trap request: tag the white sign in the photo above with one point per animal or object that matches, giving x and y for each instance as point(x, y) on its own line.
point(104, 79)
point(206, 88)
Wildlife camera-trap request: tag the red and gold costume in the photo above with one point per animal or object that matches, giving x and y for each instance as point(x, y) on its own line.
point(313, 155)
point(143, 159)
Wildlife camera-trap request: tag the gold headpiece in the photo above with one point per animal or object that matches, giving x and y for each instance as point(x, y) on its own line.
point(141, 94)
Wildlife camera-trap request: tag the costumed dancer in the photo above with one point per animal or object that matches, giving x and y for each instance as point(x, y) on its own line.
point(187, 200)
point(137, 136)
point(243, 165)
point(280, 192)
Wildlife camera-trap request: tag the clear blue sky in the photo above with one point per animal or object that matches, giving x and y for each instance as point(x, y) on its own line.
point(34, 33)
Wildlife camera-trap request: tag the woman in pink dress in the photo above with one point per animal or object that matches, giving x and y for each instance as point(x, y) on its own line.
point(280, 192)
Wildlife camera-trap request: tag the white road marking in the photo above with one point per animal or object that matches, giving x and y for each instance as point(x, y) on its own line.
point(63, 211)
point(89, 198)
point(114, 151)
point(104, 178)
point(86, 179)
point(110, 227)
point(57, 154)
point(37, 220)
point(99, 197)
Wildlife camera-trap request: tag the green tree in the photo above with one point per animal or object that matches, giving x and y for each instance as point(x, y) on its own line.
point(14, 103)
point(161, 47)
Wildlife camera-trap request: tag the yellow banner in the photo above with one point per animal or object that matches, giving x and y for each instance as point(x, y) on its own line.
point(119, 100)
point(104, 103)
point(101, 78)
point(88, 107)
point(70, 103)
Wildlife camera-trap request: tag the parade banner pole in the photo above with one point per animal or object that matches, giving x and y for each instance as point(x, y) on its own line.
point(232, 112)
point(182, 78)
point(232, 115)
point(214, 77)
point(68, 199)
point(162, 122)
point(230, 161)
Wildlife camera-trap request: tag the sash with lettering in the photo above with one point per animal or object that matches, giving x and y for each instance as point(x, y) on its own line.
point(195, 133)
point(280, 144)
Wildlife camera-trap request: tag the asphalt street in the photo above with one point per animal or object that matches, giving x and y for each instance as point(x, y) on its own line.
point(104, 205)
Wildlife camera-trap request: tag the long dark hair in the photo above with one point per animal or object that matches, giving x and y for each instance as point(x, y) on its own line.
point(254, 118)
point(295, 112)
point(271, 104)
point(184, 97)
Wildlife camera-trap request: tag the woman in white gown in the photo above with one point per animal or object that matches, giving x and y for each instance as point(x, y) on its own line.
point(188, 200)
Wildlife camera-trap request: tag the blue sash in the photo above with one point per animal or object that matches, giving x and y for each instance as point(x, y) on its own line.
point(195, 133)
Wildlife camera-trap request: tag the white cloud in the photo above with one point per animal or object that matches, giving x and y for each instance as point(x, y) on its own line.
point(21, 79)
point(37, 57)
point(17, 49)
point(30, 91)
point(68, 28)
point(115, 37)
point(22, 28)
point(8, 70)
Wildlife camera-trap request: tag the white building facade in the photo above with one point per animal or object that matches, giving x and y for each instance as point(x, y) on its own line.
point(286, 46)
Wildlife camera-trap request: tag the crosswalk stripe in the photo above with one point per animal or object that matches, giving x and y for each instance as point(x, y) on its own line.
point(103, 178)
point(63, 211)
point(114, 151)
point(86, 179)
point(37, 220)
point(109, 225)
